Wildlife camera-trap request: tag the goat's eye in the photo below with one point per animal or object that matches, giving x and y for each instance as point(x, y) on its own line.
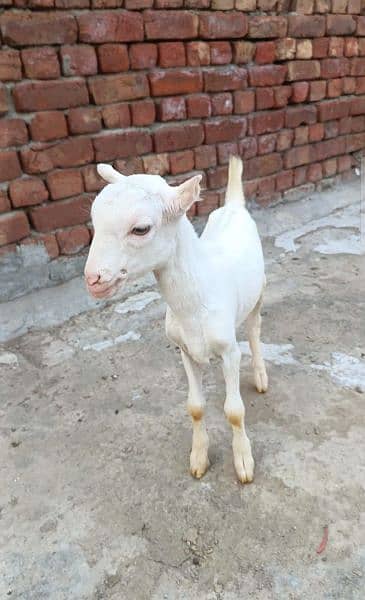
point(141, 230)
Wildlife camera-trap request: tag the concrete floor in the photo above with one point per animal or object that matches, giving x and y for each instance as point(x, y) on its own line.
point(96, 500)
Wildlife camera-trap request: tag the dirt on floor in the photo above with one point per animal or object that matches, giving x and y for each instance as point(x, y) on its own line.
point(96, 499)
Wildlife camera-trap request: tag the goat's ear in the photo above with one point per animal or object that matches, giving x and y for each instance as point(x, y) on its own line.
point(109, 174)
point(184, 196)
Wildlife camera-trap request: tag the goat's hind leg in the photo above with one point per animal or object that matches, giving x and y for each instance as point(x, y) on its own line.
point(199, 461)
point(235, 412)
point(253, 323)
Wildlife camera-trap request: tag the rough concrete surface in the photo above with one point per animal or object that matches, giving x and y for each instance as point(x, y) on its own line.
point(96, 500)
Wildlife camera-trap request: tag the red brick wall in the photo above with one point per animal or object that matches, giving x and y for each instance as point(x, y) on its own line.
point(171, 87)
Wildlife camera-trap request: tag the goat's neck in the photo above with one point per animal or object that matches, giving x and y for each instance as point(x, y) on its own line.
point(181, 279)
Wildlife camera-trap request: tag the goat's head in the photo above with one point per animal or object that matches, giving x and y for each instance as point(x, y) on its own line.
point(134, 221)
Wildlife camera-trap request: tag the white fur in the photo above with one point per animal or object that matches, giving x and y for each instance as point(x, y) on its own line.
point(211, 284)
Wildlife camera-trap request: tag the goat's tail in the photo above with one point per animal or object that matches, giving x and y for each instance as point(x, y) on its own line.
point(234, 193)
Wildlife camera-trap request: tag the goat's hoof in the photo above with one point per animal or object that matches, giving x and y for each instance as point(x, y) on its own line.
point(199, 464)
point(261, 379)
point(244, 469)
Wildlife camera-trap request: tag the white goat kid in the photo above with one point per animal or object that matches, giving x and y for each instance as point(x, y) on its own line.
point(211, 284)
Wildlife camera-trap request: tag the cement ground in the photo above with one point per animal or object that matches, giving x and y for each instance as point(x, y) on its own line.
point(96, 500)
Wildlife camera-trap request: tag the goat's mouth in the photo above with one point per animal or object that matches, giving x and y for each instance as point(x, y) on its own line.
point(104, 290)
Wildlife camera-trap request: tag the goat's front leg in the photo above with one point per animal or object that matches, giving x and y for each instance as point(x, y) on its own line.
point(199, 461)
point(235, 412)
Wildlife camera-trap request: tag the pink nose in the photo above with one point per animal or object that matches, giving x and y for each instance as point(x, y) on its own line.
point(92, 278)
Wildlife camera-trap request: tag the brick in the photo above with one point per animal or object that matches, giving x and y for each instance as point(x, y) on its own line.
point(181, 162)
point(61, 214)
point(171, 54)
point(10, 65)
point(222, 104)
point(345, 125)
point(116, 116)
point(222, 4)
point(357, 106)
point(156, 164)
point(114, 88)
point(302, 26)
point(143, 56)
point(182, 81)
point(331, 129)
point(301, 136)
point(314, 172)
point(13, 227)
point(13, 132)
point(109, 26)
point(303, 69)
point(4, 201)
point(267, 27)
point(351, 47)
point(198, 106)
point(285, 49)
point(355, 142)
point(113, 58)
point(300, 91)
point(92, 180)
point(48, 95)
point(4, 105)
point(37, 29)
point(168, 3)
point(243, 52)
point(282, 95)
point(78, 60)
point(65, 183)
point(333, 109)
point(143, 113)
point(225, 129)
point(224, 79)
point(339, 6)
point(218, 177)
point(300, 115)
point(301, 155)
point(303, 7)
point(340, 25)
point(284, 180)
point(84, 120)
point(247, 5)
point(41, 63)
point(267, 75)
point(323, 6)
point(320, 47)
point(300, 175)
point(73, 240)
point(220, 53)
point(329, 148)
point(205, 157)
point(360, 30)
point(198, 54)
point(262, 166)
point(244, 102)
point(139, 4)
point(209, 202)
point(334, 88)
point(358, 67)
point(120, 145)
point(284, 139)
point(265, 53)
point(266, 143)
point(265, 122)
point(47, 126)
point(27, 192)
point(316, 132)
point(9, 166)
point(129, 166)
point(354, 7)
point(336, 47)
point(264, 98)
point(317, 90)
point(220, 25)
point(247, 147)
point(72, 3)
point(170, 24)
point(68, 153)
point(343, 163)
point(304, 49)
point(178, 137)
point(172, 109)
point(357, 85)
point(329, 167)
